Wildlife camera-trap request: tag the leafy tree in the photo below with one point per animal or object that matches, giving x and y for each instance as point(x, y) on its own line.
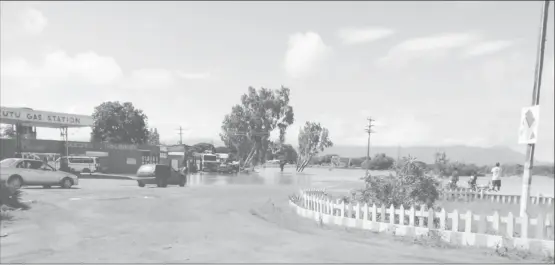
point(153, 137)
point(119, 123)
point(8, 131)
point(202, 147)
point(313, 138)
point(442, 166)
point(380, 162)
point(223, 150)
point(249, 124)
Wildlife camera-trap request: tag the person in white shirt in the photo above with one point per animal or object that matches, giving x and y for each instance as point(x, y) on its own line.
point(496, 177)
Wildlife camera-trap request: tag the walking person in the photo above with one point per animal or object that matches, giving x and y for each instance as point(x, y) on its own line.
point(496, 177)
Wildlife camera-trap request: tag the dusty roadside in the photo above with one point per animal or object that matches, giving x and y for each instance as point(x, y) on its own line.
point(241, 223)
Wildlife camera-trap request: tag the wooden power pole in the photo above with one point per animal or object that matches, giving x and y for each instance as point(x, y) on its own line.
point(369, 131)
point(180, 135)
point(528, 165)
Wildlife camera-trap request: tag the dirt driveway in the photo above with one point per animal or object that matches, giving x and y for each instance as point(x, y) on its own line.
point(115, 221)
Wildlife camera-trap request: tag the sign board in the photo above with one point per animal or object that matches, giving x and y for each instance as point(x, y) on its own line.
point(528, 129)
point(39, 118)
point(131, 161)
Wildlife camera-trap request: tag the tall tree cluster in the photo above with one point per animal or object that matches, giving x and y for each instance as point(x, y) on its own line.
point(119, 123)
point(247, 128)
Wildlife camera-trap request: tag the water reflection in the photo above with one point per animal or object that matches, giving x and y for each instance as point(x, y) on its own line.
point(260, 178)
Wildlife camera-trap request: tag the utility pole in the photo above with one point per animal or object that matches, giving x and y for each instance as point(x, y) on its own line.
point(369, 131)
point(180, 135)
point(528, 165)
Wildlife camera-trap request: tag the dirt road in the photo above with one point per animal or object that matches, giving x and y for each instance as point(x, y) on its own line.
point(116, 221)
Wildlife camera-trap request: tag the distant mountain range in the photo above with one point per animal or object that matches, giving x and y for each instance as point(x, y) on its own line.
point(466, 154)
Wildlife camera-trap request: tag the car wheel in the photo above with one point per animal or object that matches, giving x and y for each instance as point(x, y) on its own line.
point(47, 186)
point(67, 183)
point(182, 182)
point(141, 184)
point(161, 183)
point(86, 170)
point(15, 182)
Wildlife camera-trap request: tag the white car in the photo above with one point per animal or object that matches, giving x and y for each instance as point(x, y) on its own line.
point(17, 172)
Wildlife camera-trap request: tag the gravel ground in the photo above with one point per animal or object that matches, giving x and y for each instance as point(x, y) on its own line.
point(214, 219)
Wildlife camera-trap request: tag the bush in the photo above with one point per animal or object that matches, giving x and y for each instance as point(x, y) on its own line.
point(379, 162)
point(11, 197)
point(411, 186)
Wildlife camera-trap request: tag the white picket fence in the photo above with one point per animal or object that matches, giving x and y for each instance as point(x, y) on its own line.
point(459, 228)
point(468, 195)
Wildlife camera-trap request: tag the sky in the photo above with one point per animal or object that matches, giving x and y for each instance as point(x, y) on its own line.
point(429, 73)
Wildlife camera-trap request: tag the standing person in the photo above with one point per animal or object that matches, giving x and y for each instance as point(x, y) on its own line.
point(454, 178)
point(496, 177)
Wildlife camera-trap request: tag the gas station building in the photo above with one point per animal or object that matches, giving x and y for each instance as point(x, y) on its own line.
point(120, 158)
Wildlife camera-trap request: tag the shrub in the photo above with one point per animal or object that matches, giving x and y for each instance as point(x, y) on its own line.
point(410, 186)
point(11, 197)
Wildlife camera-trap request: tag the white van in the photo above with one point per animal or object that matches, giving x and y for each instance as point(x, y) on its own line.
point(81, 164)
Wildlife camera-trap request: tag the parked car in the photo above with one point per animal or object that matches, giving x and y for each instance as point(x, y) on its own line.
point(79, 164)
point(161, 175)
point(228, 168)
point(18, 172)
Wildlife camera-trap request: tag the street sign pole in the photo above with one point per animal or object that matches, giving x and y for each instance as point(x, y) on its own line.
point(528, 165)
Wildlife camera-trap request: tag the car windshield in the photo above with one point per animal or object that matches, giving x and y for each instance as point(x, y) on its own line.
point(7, 162)
point(210, 158)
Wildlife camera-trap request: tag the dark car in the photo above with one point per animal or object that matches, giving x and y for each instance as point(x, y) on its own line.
point(161, 175)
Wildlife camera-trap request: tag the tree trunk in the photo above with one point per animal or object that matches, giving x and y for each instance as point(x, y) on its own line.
point(303, 164)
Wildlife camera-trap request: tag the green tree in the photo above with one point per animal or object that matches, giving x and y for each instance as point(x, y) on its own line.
point(249, 124)
point(379, 162)
point(202, 147)
point(8, 131)
point(223, 150)
point(119, 123)
point(153, 137)
point(313, 138)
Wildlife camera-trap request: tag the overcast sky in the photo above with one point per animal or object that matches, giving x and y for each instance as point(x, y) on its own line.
point(430, 73)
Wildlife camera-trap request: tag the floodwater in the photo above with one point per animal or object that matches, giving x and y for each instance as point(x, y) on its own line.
point(344, 180)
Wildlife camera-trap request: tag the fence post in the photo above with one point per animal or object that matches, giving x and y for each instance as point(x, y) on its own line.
point(442, 219)
point(374, 213)
point(524, 223)
point(421, 217)
point(455, 221)
point(382, 214)
point(495, 222)
point(468, 222)
point(411, 216)
point(431, 218)
point(402, 215)
point(358, 211)
point(540, 226)
point(342, 209)
point(392, 214)
point(365, 212)
point(510, 225)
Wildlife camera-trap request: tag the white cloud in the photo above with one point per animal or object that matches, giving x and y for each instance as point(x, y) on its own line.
point(149, 79)
point(305, 51)
point(431, 46)
point(58, 67)
point(192, 76)
point(33, 21)
point(363, 35)
point(487, 47)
